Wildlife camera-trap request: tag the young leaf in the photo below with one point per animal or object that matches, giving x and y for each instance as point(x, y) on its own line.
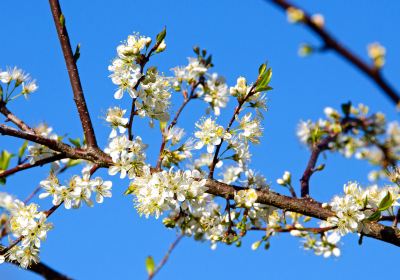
point(22, 149)
point(161, 36)
point(386, 202)
point(150, 265)
point(375, 217)
point(262, 68)
point(5, 158)
point(76, 142)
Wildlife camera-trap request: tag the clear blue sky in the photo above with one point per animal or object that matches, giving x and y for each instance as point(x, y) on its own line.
point(110, 241)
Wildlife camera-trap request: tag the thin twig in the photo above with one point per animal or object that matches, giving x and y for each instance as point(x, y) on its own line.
point(235, 113)
point(332, 44)
point(13, 118)
point(166, 257)
point(25, 166)
point(175, 119)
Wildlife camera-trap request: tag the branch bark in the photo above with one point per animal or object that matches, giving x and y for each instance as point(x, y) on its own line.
point(70, 62)
point(332, 43)
point(96, 156)
point(305, 206)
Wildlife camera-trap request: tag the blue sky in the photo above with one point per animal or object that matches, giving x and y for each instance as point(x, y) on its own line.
point(110, 241)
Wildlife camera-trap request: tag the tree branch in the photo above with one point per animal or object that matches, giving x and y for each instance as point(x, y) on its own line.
point(307, 207)
point(96, 156)
point(25, 166)
point(332, 44)
point(13, 118)
point(70, 62)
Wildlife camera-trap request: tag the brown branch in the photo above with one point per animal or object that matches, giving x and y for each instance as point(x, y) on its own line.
point(291, 228)
point(13, 118)
point(166, 257)
point(310, 169)
point(70, 62)
point(25, 166)
point(304, 206)
point(332, 44)
point(95, 156)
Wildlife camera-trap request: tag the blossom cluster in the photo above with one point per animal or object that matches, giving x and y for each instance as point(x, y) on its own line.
point(355, 133)
point(359, 205)
point(79, 189)
point(15, 78)
point(28, 224)
point(158, 192)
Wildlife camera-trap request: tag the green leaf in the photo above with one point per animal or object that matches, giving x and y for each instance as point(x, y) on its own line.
point(263, 80)
point(161, 36)
point(5, 158)
point(375, 217)
point(76, 142)
point(386, 202)
point(77, 53)
point(2, 181)
point(22, 149)
point(262, 69)
point(150, 265)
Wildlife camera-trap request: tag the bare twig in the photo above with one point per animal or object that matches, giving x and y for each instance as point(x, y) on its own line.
point(166, 257)
point(333, 44)
point(79, 98)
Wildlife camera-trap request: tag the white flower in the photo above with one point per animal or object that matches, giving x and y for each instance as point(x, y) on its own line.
point(162, 191)
point(231, 174)
point(215, 92)
point(251, 130)
point(246, 198)
point(210, 134)
point(102, 189)
point(175, 134)
point(115, 116)
point(125, 76)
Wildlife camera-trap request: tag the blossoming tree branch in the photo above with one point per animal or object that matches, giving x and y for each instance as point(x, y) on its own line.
point(202, 185)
